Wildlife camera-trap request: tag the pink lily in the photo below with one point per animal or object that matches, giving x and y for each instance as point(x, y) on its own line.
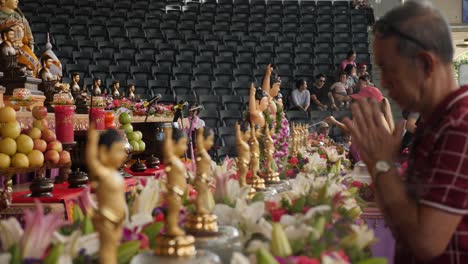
point(38, 231)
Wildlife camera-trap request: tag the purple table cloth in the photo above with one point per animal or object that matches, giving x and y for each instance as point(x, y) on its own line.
point(385, 246)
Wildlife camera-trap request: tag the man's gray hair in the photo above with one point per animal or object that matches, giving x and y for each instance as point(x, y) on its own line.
point(423, 26)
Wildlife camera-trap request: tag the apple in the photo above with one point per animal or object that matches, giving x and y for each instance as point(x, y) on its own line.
point(11, 129)
point(55, 145)
point(39, 112)
point(135, 145)
point(64, 157)
point(36, 158)
point(142, 145)
point(125, 118)
point(139, 135)
point(48, 135)
point(127, 128)
point(24, 144)
point(35, 133)
point(20, 160)
point(40, 144)
point(7, 114)
point(8, 146)
point(132, 136)
point(5, 161)
point(52, 156)
point(42, 124)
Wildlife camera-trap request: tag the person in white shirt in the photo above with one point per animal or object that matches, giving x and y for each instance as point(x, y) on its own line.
point(300, 96)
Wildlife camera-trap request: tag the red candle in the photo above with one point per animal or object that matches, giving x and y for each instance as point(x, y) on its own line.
point(98, 117)
point(64, 122)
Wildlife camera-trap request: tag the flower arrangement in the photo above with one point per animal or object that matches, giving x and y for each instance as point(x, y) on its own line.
point(138, 107)
point(280, 140)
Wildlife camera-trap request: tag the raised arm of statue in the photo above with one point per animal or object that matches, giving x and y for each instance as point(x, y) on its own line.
point(266, 79)
point(252, 103)
point(92, 160)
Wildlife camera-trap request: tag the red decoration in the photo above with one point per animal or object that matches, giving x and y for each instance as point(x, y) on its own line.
point(64, 122)
point(98, 117)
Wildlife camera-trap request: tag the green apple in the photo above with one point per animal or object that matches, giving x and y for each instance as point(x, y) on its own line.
point(127, 128)
point(132, 136)
point(135, 145)
point(142, 145)
point(125, 118)
point(139, 135)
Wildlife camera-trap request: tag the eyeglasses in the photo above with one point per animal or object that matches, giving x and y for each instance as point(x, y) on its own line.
point(385, 28)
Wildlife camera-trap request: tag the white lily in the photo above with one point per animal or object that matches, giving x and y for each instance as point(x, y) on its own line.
point(333, 258)
point(243, 216)
point(227, 190)
point(239, 258)
point(10, 233)
point(315, 164)
point(300, 185)
point(333, 155)
point(144, 204)
point(76, 242)
point(363, 236)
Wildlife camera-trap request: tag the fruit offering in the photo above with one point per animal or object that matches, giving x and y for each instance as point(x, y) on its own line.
point(31, 148)
point(135, 138)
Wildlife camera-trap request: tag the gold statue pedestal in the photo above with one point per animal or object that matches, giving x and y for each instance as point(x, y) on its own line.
point(175, 246)
point(201, 257)
point(201, 225)
point(271, 177)
point(257, 183)
point(252, 193)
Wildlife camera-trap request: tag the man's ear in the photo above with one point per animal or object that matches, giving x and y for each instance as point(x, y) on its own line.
point(427, 60)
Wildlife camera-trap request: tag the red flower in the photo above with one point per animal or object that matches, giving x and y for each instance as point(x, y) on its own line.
point(305, 209)
point(293, 161)
point(270, 205)
point(323, 156)
point(159, 217)
point(277, 213)
point(249, 174)
point(143, 240)
point(290, 173)
point(356, 184)
point(306, 260)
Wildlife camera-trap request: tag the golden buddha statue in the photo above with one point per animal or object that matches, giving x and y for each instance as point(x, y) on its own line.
point(174, 242)
point(104, 155)
point(203, 221)
point(243, 151)
point(256, 182)
point(270, 176)
point(293, 140)
point(258, 103)
point(12, 17)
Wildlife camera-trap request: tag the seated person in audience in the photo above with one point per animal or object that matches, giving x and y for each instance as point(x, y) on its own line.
point(319, 94)
point(350, 59)
point(362, 70)
point(364, 81)
point(339, 91)
point(352, 80)
point(300, 97)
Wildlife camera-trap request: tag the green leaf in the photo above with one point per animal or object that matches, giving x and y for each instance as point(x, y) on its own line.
point(15, 254)
point(87, 226)
point(258, 197)
point(298, 206)
point(54, 254)
point(152, 231)
point(127, 250)
point(77, 214)
point(373, 261)
point(264, 257)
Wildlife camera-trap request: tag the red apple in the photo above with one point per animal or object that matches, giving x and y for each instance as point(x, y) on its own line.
point(39, 112)
point(52, 156)
point(55, 145)
point(40, 144)
point(41, 124)
point(64, 157)
point(48, 135)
